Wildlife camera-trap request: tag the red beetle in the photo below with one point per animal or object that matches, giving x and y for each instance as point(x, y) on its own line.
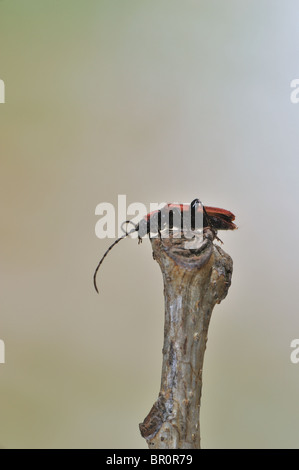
point(177, 215)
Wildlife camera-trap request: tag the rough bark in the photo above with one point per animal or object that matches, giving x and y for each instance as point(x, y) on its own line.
point(194, 281)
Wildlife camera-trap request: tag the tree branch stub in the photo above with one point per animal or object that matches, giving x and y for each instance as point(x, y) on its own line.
point(194, 281)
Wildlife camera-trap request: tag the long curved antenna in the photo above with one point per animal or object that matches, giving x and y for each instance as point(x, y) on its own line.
point(106, 253)
point(129, 222)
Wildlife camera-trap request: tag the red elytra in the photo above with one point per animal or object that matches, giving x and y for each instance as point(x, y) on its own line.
point(219, 219)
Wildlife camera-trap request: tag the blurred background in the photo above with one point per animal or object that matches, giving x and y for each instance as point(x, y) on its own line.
point(160, 101)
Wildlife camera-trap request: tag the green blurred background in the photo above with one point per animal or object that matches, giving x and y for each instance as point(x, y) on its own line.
point(161, 101)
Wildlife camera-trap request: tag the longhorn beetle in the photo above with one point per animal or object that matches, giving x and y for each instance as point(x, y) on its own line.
point(158, 220)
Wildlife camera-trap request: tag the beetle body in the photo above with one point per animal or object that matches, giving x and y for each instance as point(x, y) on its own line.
point(184, 216)
point(192, 216)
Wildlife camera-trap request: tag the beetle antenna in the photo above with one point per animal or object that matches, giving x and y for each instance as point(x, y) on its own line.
point(105, 254)
point(128, 222)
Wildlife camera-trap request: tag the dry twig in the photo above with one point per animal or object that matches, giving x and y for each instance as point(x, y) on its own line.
point(194, 281)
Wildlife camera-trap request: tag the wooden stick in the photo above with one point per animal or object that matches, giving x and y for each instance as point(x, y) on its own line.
point(194, 281)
